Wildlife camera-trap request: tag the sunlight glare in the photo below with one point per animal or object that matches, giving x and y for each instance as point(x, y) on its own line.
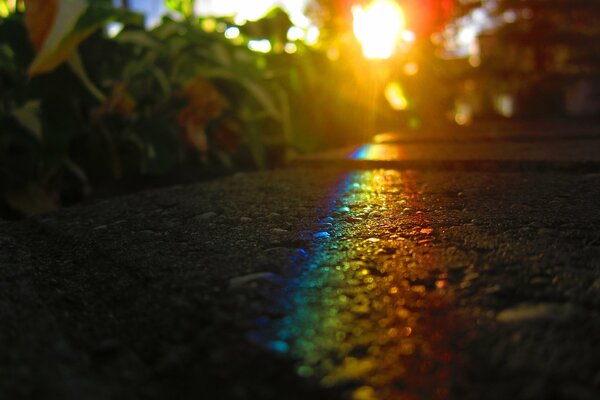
point(295, 33)
point(409, 36)
point(312, 35)
point(378, 27)
point(244, 10)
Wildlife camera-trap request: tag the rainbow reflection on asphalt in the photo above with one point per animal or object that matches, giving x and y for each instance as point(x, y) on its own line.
point(379, 152)
point(367, 309)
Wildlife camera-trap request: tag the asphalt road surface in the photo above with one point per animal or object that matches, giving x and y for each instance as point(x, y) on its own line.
point(454, 277)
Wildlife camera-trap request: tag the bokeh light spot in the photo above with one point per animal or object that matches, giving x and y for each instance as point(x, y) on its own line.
point(232, 32)
point(395, 96)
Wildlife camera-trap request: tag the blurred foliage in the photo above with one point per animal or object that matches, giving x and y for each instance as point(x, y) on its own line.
point(184, 7)
point(82, 109)
point(146, 102)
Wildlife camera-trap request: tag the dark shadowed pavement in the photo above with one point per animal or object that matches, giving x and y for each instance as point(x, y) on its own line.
point(419, 269)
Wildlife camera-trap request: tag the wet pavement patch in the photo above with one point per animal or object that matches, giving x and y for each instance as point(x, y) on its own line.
point(369, 308)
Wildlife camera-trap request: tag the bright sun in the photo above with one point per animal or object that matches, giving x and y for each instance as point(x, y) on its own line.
point(378, 27)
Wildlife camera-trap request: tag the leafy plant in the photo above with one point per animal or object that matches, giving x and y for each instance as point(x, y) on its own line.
point(184, 7)
point(80, 109)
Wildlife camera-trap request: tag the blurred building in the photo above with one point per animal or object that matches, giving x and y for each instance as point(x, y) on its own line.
point(531, 58)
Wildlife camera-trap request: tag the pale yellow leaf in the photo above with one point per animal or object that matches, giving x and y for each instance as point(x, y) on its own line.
point(57, 42)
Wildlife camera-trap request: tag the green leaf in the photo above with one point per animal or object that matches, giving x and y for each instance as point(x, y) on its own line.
point(184, 7)
point(257, 91)
point(75, 21)
point(4, 10)
point(162, 79)
point(139, 38)
point(28, 117)
point(78, 69)
point(63, 38)
point(222, 55)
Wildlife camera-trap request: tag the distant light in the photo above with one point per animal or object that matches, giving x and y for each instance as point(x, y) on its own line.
point(114, 29)
point(260, 46)
point(239, 20)
point(411, 68)
point(510, 16)
point(467, 35)
point(295, 33)
point(408, 36)
point(312, 35)
point(505, 105)
point(462, 118)
point(395, 96)
point(232, 32)
point(463, 113)
point(377, 27)
point(290, 48)
point(479, 15)
point(459, 37)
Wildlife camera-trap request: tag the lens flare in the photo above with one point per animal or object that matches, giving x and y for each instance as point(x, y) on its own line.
point(378, 27)
point(395, 96)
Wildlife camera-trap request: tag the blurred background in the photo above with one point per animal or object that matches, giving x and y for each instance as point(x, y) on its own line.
point(105, 97)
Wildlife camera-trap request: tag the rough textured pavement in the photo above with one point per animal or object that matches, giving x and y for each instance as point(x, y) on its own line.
point(311, 282)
